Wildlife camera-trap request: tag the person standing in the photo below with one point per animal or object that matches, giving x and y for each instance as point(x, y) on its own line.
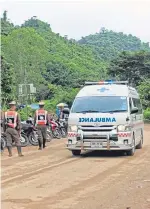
point(58, 112)
point(41, 122)
point(61, 112)
point(12, 128)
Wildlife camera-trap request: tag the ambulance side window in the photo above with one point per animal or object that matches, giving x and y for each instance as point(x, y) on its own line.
point(130, 104)
point(137, 103)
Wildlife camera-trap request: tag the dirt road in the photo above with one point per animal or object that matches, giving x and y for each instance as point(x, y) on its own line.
point(53, 179)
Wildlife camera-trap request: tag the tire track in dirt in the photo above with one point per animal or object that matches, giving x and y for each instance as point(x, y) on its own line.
point(30, 168)
point(40, 159)
point(35, 172)
point(28, 153)
point(43, 169)
point(81, 188)
point(88, 184)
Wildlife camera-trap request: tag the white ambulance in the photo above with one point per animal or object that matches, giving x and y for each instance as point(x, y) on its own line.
point(106, 115)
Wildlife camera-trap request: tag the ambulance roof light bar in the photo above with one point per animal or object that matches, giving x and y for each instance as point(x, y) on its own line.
point(106, 82)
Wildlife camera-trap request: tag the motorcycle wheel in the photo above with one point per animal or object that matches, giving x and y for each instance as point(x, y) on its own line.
point(24, 140)
point(57, 134)
point(3, 144)
point(49, 136)
point(63, 131)
point(33, 139)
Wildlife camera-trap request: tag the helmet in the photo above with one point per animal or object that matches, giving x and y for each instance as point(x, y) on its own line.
point(12, 103)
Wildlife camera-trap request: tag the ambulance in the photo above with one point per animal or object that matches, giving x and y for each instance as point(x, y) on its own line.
point(106, 115)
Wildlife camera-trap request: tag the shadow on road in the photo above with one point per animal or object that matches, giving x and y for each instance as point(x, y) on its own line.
point(104, 154)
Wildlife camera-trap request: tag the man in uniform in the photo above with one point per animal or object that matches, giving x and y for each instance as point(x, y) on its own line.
point(41, 121)
point(12, 128)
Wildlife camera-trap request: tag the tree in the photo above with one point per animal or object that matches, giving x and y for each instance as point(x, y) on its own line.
point(5, 16)
point(7, 81)
point(6, 26)
point(144, 90)
point(26, 51)
point(134, 67)
point(108, 44)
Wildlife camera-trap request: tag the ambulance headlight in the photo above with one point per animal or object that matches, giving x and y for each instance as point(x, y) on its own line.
point(72, 128)
point(122, 128)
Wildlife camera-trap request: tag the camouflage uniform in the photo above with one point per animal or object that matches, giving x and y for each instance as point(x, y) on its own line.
point(13, 134)
point(41, 130)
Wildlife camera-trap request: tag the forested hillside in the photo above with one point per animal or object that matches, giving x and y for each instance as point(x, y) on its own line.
point(47, 58)
point(58, 66)
point(108, 44)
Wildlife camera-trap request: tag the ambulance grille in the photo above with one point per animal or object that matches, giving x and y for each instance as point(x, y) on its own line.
point(97, 128)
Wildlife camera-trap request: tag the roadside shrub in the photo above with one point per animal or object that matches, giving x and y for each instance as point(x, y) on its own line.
point(147, 114)
point(25, 112)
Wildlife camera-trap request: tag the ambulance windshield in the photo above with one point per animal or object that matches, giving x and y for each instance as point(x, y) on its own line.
point(104, 104)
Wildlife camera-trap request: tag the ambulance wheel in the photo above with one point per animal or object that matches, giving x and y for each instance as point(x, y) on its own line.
point(140, 145)
point(76, 152)
point(132, 151)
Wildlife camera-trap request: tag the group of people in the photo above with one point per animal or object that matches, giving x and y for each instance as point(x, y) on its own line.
point(12, 126)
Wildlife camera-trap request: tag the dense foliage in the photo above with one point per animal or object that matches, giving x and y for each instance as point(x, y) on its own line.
point(134, 67)
point(144, 90)
point(43, 57)
point(58, 66)
point(7, 81)
point(108, 44)
point(6, 26)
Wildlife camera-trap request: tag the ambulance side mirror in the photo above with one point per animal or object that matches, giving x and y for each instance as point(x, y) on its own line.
point(134, 110)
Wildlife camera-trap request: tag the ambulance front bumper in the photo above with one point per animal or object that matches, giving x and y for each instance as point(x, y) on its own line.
point(118, 147)
point(124, 142)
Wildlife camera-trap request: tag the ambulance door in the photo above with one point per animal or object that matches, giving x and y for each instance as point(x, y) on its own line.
point(137, 119)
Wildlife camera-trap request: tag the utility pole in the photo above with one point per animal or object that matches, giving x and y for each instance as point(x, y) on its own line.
point(25, 89)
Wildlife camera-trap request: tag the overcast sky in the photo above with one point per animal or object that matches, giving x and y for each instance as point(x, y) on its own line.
point(80, 18)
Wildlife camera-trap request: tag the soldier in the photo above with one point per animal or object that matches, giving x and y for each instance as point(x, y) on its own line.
point(12, 128)
point(41, 121)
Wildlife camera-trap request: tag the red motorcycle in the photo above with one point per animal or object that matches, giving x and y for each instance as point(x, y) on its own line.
point(55, 129)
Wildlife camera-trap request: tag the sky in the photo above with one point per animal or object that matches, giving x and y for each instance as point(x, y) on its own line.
point(80, 18)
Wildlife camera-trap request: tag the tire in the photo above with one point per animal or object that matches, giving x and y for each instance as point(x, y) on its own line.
point(3, 144)
point(33, 139)
point(49, 136)
point(132, 151)
point(76, 152)
point(24, 140)
point(140, 145)
point(63, 131)
point(57, 134)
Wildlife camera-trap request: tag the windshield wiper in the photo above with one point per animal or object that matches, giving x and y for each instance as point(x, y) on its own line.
point(109, 111)
point(87, 111)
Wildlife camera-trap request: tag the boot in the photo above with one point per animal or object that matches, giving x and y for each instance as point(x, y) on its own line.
point(40, 145)
point(19, 151)
point(9, 151)
point(44, 142)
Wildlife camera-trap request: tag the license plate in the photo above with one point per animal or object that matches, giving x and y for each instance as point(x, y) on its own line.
point(96, 144)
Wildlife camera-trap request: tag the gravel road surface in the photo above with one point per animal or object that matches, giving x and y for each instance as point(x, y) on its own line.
point(54, 179)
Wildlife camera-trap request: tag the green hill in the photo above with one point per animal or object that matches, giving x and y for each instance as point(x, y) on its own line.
point(54, 64)
point(48, 58)
point(108, 44)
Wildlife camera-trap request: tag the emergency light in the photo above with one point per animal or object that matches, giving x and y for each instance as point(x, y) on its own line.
point(106, 82)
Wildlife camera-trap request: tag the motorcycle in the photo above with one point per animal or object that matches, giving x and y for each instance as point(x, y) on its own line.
point(55, 129)
point(63, 127)
point(23, 140)
point(30, 131)
point(3, 142)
